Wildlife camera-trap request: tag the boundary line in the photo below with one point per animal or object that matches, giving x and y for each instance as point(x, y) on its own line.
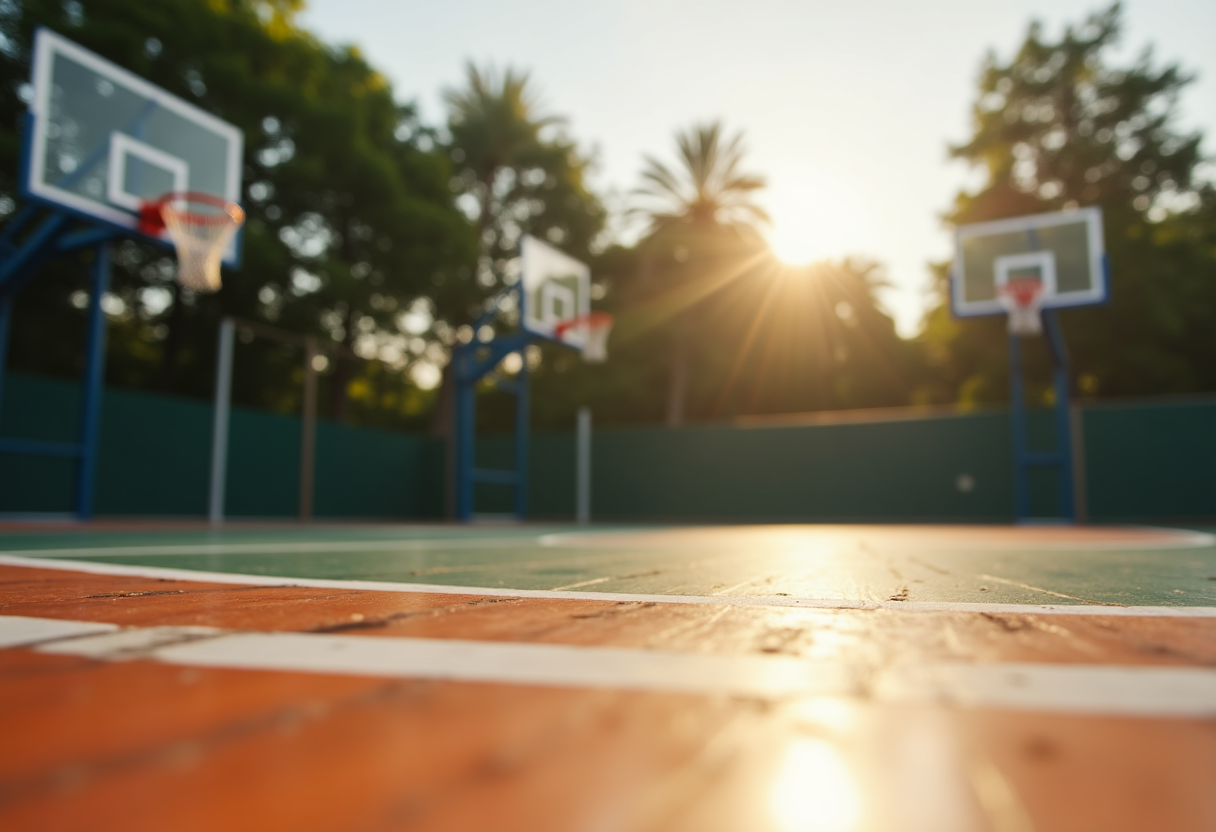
point(1161, 692)
point(195, 576)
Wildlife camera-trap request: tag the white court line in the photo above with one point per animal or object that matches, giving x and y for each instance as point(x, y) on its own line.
point(668, 538)
point(198, 576)
point(664, 538)
point(337, 546)
point(19, 631)
point(1162, 692)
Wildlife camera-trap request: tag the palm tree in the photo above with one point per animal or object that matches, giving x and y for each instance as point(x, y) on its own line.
point(700, 211)
point(709, 190)
point(495, 128)
point(521, 179)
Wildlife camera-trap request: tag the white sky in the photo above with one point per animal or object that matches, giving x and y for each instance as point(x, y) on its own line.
point(847, 107)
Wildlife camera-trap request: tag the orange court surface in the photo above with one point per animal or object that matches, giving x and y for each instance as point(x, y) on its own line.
point(528, 677)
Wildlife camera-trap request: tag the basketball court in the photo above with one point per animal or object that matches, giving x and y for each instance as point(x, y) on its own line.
point(525, 676)
point(550, 677)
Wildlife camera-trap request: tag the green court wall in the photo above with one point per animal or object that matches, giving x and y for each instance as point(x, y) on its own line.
point(1143, 461)
point(1151, 461)
point(155, 459)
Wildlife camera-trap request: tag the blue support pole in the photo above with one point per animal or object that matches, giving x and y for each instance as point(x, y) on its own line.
point(1023, 458)
point(469, 367)
point(94, 376)
point(1017, 414)
point(521, 439)
point(6, 320)
point(1059, 354)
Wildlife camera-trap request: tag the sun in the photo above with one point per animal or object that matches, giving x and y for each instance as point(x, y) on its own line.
point(816, 217)
point(795, 243)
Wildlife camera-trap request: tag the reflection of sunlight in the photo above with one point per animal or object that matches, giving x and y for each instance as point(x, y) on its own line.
point(815, 790)
point(826, 714)
point(817, 216)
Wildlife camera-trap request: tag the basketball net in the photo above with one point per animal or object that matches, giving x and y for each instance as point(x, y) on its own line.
point(594, 329)
point(1023, 300)
point(200, 226)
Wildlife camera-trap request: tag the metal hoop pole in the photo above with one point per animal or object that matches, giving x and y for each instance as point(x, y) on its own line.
point(220, 420)
point(94, 377)
point(308, 431)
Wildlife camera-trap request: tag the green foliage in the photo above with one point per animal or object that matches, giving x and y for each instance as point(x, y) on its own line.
point(350, 214)
point(1059, 127)
point(708, 189)
point(514, 179)
point(701, 238)
point(764, 338)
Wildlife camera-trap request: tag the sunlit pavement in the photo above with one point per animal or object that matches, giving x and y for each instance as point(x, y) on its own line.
point(135, 696)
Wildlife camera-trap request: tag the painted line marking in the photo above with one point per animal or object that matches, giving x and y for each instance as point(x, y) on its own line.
point(198, 576)
point(336, 546)
point(1163, 692)
point(21, 631)
point(665, 538)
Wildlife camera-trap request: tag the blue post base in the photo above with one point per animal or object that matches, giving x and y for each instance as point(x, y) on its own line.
point(470, 368)
point(55, 234)
point(1061, 458)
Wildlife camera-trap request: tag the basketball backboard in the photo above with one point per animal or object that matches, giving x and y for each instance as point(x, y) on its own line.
point(1064, 251)
point(556, 288)
point(102, 141)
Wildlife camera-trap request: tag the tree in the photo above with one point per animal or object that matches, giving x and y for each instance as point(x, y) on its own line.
point(700, 236)
point(517, 174)
point(1058, 127)
point(350, 214)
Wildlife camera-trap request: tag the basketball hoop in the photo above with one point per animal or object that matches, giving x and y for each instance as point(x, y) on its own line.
point(594, 328)
point(200, 226)
point(1023, 300)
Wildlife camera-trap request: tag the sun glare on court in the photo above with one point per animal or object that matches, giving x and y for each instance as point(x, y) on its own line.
point(815, 790)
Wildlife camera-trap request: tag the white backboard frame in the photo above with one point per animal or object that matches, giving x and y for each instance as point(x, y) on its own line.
point(1053, 298)
point(118, 209)
point(542, 266)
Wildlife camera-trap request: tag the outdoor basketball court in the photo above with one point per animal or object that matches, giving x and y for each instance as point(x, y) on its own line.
point(567, 677)
point(558, 677)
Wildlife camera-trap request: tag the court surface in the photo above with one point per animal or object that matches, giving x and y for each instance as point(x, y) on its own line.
point(532, 677)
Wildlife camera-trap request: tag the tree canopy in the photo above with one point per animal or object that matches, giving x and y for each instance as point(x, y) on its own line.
point(349, 211)
point(1057, 126)
point(386, 238)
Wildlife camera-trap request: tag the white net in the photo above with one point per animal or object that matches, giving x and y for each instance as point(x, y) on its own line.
point(1023, 300)
point(200, 230)
point(594, 329)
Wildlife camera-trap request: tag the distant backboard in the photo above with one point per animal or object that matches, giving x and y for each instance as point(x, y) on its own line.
point(1064, 251)
point(556, 288)
point(103, 141)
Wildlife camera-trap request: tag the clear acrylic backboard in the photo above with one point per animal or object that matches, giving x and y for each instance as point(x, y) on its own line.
point(556, 288)
point(103, 141)
point(1064, 251)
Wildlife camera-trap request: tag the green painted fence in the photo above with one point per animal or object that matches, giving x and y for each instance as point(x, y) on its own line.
point(155, 459)
point(1149, 461)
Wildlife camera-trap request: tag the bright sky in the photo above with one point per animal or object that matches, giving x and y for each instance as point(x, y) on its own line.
point(847, 108)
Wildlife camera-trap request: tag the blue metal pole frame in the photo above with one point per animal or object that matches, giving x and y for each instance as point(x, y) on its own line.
point(1017, 414)
point(469, 368)
point(1059, 354)
point(1023, 458)
point(6, 319)
point(18, 263)
point(521, 438)
point(94, 377)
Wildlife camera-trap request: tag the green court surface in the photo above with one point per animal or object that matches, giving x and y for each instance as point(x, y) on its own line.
point(845, 564)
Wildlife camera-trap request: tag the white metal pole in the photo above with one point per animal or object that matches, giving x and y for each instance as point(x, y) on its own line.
point(219, 425)
point(582, 475)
